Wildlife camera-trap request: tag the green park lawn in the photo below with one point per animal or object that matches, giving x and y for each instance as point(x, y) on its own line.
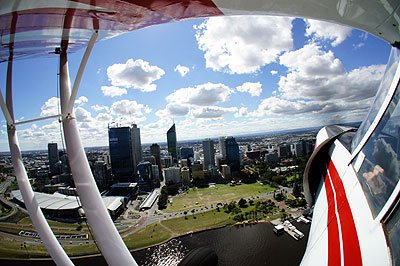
point(197, 222)
point(164, 230)
point(151, 235)
point(213, 195)
point(154, 233)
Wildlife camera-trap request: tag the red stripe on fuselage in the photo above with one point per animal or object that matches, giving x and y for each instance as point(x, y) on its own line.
point(351, 245)
point(333, 229)
point(337, 199)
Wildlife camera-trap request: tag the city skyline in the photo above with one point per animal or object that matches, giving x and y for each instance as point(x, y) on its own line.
point(164, 144)
point(179, 73)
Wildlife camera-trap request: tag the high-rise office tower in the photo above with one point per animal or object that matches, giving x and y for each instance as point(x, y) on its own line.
point(121, 153)
point(145, 173)
point(53, 156)
point(226, 171)
point(171, 142)
point(100, 174)
point(166, 161)
point(222, 148)
point(187, 152)
point(136, 147)
point(172, 175)
point(232, 154)
point(150, 159)
point(155, 172)
point(155, 151)
point(209, 154)
point(64, 162)
point(283, 150)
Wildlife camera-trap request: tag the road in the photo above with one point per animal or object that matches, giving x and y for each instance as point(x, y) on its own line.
point(5, 184)
point(136, 220)
point(154, 215)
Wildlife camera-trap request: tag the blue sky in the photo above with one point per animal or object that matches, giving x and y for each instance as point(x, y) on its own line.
point(213, 77)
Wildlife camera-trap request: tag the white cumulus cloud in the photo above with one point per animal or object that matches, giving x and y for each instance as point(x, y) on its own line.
point(53, 105)
point(137, 74)
point(212, 111)
point(243, 44)
point(204, 94)
point(98, 108)
point(253, 88)
point(242, 111)
point(113, 91)
point(81, 100)
point(276, 105)
point(176, 109)
point(183, 70)
point(321, 30)
point(314, 74)
point(104, 117)
point(50, 107)
point(82, 115)
point(128, 112)
point(317, 83)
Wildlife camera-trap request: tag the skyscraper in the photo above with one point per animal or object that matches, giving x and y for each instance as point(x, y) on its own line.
point(136, 147)
point(155, 151)
point(100, 174)
point(209, 154)
point(145, 173)
point(121, 153)
point(166, 161)
point(53, 156)
point(171, 142)
point(232, 154)
point(187, 152)
point(222, 148)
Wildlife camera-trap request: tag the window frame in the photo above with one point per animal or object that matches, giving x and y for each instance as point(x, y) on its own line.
point(354, 160)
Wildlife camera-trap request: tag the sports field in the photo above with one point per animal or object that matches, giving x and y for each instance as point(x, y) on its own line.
point(202, 197)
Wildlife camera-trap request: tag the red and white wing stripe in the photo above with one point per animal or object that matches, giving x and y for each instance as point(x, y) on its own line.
point(343, 230)
point(343, 243)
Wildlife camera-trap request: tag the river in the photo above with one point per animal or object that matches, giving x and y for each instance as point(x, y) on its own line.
point(235, 245)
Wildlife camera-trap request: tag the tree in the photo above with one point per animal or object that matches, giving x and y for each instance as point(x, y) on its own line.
point(162, 201)
point(239, 218)
point(172, 189)
point(231, 207)
point(284, 216)
point(279, 196)
point(164, 190)
point(296, 189)
point(242, 203)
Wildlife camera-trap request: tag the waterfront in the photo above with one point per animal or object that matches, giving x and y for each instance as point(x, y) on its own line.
point(235, 245)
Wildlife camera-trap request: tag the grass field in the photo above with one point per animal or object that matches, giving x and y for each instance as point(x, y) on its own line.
point(197, 222)
point(151, 235)
point(154, 233)
point(213, 195)
point(9, 248)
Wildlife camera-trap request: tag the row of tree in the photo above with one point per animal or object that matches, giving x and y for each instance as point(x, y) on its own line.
point(169, 190)
point(163, 198)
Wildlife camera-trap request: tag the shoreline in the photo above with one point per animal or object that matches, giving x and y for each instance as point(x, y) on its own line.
point(244, 223)
point(201, 231)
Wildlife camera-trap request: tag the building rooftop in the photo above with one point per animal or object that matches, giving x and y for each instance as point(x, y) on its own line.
point(59, 201)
